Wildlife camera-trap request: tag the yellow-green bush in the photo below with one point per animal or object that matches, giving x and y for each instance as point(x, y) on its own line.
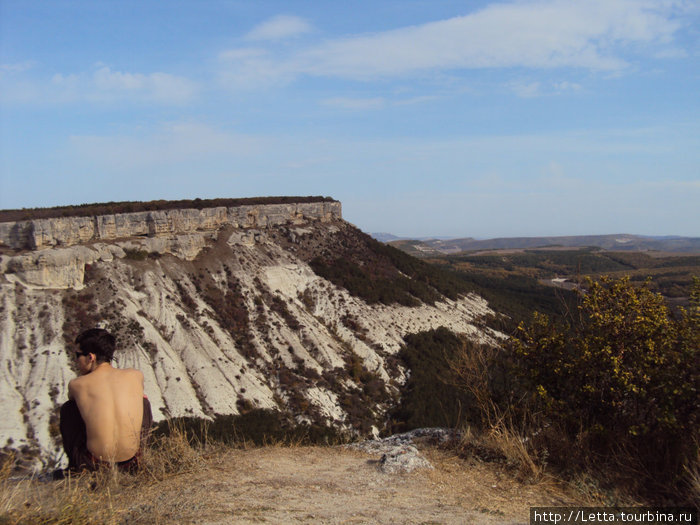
point(616, 385)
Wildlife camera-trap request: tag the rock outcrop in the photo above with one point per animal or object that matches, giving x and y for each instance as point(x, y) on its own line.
point(60, 231)
point(221, 311)
point(398, 452)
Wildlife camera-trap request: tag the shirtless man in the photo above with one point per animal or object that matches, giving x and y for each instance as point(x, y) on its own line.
point(107, 418)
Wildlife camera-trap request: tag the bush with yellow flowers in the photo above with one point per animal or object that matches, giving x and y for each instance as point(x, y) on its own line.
point(616, 386)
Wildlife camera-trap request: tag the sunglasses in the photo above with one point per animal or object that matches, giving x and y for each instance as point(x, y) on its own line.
point(78, 355)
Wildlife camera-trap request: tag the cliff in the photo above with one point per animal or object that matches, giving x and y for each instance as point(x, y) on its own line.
point(220, 308)
point(68, 231)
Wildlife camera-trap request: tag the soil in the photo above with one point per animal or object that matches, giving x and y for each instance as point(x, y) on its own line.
point(337, 486)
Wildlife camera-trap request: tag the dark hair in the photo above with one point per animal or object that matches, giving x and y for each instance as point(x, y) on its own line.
point(97, 341)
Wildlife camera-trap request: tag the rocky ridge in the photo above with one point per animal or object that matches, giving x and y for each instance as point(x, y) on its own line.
point(223, 314)
point(67, 231)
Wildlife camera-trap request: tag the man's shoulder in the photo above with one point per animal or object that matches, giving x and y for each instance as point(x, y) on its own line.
point(76, 382)
point(131, 372)
point(76, 386)
point(129, 375)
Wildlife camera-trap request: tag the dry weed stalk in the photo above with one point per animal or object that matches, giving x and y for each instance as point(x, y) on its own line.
point(472, 371)
point(514, 448)
point(693, 472)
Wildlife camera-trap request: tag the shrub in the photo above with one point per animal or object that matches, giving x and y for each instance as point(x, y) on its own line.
point(614, 387)
point(136, 255)
point(431, 397)
point(257, 426)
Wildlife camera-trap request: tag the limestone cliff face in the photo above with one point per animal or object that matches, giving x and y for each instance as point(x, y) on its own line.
point(68, 231)
point(219, 309)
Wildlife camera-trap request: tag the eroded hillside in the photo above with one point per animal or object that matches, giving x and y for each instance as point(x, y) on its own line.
point(221, 319)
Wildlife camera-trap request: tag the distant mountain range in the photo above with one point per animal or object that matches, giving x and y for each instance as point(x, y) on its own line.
point(614, 242)
point(389, 237)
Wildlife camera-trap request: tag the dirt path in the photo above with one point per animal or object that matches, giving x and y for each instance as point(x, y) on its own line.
point(335, 486)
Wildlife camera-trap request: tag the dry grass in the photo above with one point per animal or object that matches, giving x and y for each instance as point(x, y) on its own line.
point(694, 480)
point(85, 499)
point(515, 449)
point(501, 444)
point(501, 439)
point(108, 496)
point(94, 497)
point(184, 483)
point(170, 455)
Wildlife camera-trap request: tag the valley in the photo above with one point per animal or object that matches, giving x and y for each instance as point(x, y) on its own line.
point(517, 281)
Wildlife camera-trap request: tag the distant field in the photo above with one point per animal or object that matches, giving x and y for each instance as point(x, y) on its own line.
point(670, 274)
point(517, 282)
point(611, 243)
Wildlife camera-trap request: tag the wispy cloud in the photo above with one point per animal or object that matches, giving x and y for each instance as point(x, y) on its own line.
point(156, 87)
point(251, 68)
point(279, 28)
point(103, 85)
point(532, 89)
point(594, 35)
point(369, 103)
point(564, 85)
point(415, 100)
point(16, 67)
point(526, 89)
point(355, 103)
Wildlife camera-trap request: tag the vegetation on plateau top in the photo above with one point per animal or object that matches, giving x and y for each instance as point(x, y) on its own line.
point(109, 208)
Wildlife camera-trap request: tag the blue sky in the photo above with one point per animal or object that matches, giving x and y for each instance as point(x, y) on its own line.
point(424, 117)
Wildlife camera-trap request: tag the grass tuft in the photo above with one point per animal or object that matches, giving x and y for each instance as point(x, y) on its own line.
point(172, 453)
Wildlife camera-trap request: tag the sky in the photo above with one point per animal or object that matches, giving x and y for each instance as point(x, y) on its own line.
point(423, 117)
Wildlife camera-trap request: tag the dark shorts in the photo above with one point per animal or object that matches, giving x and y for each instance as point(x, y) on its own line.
point(75, 440)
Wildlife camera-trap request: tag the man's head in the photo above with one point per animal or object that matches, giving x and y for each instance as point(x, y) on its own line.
point(96, 341)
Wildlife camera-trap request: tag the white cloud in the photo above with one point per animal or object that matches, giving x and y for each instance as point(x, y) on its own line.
point(355, 103)
point(156, 87)
point(242, 54)
point(279, 27)
point(101, 86)
point(415, 100)
point(532, 89)
point(526, 89)
point(537, 34)
point(16, 68)
point(564, 85)
point(351, 103)
point(595, 35)
point(250, 68)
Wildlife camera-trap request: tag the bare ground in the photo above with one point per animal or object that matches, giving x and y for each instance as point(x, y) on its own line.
point(335, 486)
point(282, 485)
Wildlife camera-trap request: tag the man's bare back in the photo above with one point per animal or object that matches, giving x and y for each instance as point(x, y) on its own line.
point(107, 418)
point(110, 401)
